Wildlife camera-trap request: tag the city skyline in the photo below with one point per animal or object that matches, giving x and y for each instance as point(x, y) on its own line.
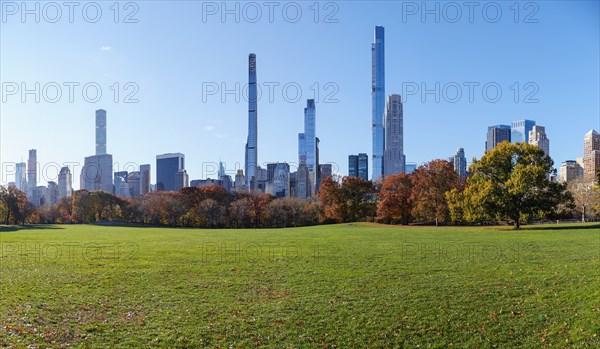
point(60, 132)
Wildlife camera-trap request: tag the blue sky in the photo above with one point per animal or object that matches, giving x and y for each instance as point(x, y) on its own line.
point(176, 48)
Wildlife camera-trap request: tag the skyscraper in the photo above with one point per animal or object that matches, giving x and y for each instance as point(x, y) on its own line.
point(537, 137)
point(307, 141)
point(570, 170)
point(301, 148)
point(65, 183)
point(460, 163)
point(121, 184)
point(97, 171)
point(378, 100)
point(251, 145)
point(303, 185)
point(496, 135)
point(21, 176)
point(310, 135)
point(168, 168)
point(393, 156)
point(32, 171)
point(100, 132)
point(144, 179)
point(591, 155)
point(134, 183)
point(520, 130)
point(358, 166)
point(326, 170)
point(281, 180)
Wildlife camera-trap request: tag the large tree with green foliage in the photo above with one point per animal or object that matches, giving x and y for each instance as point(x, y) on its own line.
point(508, 183)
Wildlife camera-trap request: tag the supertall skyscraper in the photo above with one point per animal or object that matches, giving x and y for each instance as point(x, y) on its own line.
point(378, 100)
point(251, 145)
point(97, 171)
point(100, 132)
point(394, 159)
point(307, 141)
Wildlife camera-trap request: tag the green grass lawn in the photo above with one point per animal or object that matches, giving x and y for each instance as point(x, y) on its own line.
point(338, 286)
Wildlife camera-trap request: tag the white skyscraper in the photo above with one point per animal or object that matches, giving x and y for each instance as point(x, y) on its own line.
point(537, 137)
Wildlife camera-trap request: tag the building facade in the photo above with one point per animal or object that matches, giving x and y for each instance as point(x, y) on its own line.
point(168, 168)
point(520, 130)
point(31, 171)
point(496, 135)
point(121, 184)
point(281, 180)
point(302, 182)
point(378, 100)
point(460, 163)
point(21, 176)
point(97, 173)
point(393, 156)
point(65, 183)
point(326, 170)
point(252, 142)
point(358, 166)
point(570, 170)
point(100, 132)
point(145, 179)
point(591, 155)
point(538, 137)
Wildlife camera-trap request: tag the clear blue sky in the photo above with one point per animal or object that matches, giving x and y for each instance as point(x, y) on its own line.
point(172, 51)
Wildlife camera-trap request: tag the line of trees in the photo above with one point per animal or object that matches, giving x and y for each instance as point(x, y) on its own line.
point(203, 207)
point(508, 184)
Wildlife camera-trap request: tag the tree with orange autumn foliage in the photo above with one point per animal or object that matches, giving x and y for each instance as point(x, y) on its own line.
point(431, 182)
point(396, 201)
point(351, 200)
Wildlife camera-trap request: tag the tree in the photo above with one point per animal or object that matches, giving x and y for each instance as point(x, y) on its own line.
point(351, 201)
point(431, 182)
point(239, 213)
point(13, 204)
point(395, 199)
point(583, 195)
point(330, 196)
point(509, 183)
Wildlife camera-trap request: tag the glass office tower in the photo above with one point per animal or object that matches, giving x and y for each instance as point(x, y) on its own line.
point(378, 100)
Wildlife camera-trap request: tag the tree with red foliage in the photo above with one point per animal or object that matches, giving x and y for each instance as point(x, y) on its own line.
point(431, 182)
point(396, 199)
point(351, 201)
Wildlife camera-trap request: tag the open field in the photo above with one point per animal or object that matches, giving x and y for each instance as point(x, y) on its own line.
point(339, 286)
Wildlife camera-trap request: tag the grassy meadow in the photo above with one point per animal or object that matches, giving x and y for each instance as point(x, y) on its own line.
point(337, 286)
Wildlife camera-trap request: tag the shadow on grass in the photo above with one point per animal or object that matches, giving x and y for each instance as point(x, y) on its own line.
point(574, 226)
point(9, 228)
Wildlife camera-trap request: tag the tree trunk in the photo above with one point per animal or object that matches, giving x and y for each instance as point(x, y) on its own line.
point(517, 225)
